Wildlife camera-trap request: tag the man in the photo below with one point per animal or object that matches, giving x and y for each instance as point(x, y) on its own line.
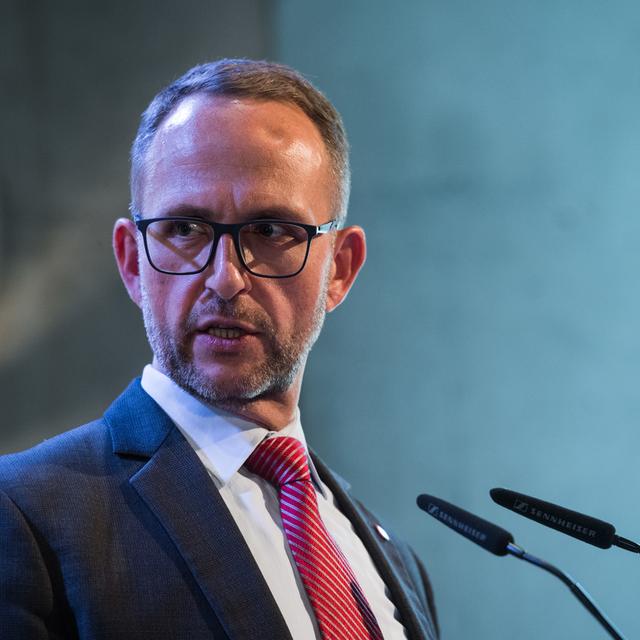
point(178, 515)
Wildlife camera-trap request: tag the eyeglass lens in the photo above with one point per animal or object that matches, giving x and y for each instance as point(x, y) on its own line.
point(268, 248)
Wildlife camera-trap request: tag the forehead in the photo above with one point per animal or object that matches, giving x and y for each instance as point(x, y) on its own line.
point(224, 150)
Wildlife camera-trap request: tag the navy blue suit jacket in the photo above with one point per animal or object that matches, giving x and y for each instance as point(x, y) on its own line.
point(114, 530)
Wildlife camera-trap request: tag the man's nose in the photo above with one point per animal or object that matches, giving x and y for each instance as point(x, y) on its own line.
point(226, 275)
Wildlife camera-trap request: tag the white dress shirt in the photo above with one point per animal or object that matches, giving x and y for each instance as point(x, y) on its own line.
point(223, 442)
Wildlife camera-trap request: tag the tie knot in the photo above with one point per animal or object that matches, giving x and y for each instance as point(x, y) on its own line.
point(279, 461)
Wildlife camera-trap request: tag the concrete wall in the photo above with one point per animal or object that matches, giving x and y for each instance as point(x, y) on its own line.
point(492, 339)
point(75, 77)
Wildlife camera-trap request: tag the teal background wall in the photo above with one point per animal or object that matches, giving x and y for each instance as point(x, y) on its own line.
point(492, 339)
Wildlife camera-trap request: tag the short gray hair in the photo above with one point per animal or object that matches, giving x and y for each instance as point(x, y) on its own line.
point(258, 80)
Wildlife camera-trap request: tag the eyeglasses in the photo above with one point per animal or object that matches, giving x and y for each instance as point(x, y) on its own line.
point(266, 248)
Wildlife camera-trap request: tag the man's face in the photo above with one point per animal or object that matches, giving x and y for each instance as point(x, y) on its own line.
point(225, 335)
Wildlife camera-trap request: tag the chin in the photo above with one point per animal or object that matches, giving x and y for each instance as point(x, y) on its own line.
point(231, 390)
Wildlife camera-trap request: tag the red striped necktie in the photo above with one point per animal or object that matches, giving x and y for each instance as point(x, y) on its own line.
point(341, 609)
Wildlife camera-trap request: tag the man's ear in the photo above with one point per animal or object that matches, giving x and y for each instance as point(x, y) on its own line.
point(349, 254)
point(125, 248)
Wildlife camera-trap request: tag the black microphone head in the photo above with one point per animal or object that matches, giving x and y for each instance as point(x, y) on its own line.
point(591, 530)
point(487, 535)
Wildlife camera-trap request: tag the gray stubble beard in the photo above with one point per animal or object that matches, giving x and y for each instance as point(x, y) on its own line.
point(284, 359)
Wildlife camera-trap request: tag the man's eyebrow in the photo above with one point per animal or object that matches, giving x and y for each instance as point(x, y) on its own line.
point(258, 213)
point(278, 213)
point(186, 211)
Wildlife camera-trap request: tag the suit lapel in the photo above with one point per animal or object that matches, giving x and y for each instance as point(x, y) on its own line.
point(177, 489)
point(385, 557)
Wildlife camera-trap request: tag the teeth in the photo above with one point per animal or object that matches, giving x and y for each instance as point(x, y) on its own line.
point(219, 332)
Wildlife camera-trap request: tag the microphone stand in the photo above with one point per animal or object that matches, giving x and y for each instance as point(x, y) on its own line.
point(576, 589)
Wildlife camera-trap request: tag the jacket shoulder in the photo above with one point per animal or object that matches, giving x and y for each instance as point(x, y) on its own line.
point(132, 426)
point(72, 452)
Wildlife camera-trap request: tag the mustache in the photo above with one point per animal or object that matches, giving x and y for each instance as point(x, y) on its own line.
point(231, 310)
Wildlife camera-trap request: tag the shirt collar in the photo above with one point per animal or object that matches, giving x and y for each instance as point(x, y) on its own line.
point(222, 440)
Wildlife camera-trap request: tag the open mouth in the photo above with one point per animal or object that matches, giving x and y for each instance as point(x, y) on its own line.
point(225, 332)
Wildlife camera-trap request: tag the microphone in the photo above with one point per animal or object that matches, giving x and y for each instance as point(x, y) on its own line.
point(500, 542)
point(578, 525)
point(487, 535)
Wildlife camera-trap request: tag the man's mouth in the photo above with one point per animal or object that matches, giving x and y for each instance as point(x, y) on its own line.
point(225, 332)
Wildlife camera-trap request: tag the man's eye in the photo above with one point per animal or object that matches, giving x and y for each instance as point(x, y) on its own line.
point(267, 229)
point(281, 232)
point(184, 228)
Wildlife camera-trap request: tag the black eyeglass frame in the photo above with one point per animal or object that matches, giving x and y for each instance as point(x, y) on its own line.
point(233, 229)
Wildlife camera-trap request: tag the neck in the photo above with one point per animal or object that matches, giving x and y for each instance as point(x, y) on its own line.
point(272, 410)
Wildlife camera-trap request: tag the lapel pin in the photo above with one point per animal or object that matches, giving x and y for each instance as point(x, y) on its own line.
point(382, 533)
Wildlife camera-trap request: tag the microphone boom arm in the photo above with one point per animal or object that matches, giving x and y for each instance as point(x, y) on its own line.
point(577, 590)
point(500, 542)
